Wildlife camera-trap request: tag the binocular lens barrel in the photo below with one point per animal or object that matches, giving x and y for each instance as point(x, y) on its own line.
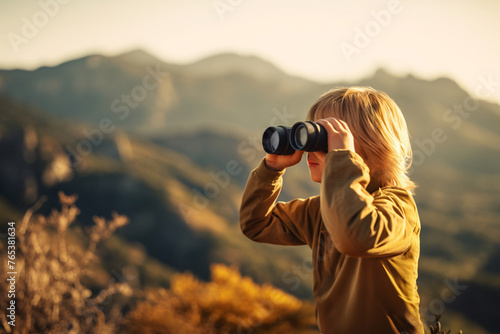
point(308, 136)
point(302, 136)
point(275, 140)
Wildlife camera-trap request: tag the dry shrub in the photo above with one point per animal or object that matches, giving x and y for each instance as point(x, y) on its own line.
point(50, 296)
point(229, 303)
point(436, 327)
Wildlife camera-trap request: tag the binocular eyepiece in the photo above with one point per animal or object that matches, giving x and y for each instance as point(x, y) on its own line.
point(302, 136)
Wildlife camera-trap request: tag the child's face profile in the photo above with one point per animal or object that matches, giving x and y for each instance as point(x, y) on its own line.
point(316, 163)
point(339, 137)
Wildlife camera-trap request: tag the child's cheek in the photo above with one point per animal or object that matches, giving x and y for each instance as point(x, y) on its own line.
point(319, 156)
point(316, 172)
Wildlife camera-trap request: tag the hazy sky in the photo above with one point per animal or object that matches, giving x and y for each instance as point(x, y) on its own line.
point(319, 39)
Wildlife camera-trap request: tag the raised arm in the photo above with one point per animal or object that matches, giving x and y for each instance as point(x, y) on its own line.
point(362, 224)
point(264, 221)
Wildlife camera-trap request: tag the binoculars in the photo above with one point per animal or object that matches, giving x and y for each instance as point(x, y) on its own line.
point(302, 136)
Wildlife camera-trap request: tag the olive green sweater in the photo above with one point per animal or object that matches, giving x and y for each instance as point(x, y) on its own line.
point(364, 241)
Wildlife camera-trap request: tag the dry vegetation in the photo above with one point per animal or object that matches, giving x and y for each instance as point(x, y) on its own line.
point(229, 303)
point(436, 327)
point(51, 296)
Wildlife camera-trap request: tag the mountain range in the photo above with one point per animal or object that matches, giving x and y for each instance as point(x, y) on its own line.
point(171, 147)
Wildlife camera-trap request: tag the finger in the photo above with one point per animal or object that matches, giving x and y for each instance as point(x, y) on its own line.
point(330, 119)
point(327, 125)
point(344, 125)
point(337, 124)
point(298, 155)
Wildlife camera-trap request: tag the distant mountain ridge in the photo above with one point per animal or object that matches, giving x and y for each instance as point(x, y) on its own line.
point(226, 90)
point(222, 90)
point(203, 115)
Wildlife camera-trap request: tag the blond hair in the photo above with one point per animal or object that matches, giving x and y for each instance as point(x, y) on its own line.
point(379, 129)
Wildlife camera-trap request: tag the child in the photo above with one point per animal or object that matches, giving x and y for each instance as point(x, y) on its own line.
point(363, 228)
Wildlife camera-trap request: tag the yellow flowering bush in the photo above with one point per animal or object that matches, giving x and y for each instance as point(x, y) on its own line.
point(229, 303)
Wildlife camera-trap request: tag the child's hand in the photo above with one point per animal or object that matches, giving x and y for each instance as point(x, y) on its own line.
point(280, 162)
point(339, 135)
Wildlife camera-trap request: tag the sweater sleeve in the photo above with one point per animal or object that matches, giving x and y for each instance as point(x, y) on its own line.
point(363, 224)
point(264, 221)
